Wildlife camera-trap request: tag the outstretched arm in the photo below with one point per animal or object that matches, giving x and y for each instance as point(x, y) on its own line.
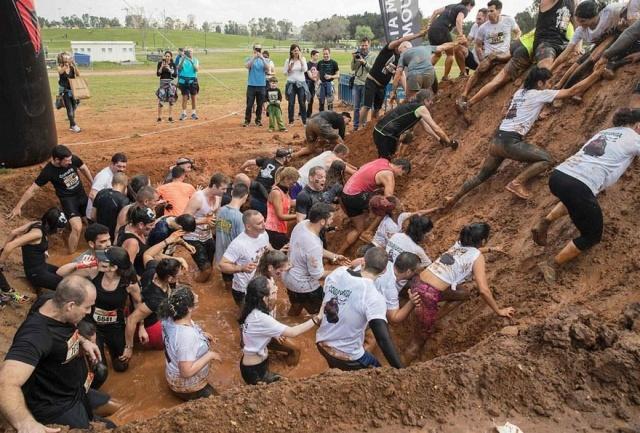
point(582, 86)
point(431, 126)
point(28, 194)
point(395, 44)
point(480, 275)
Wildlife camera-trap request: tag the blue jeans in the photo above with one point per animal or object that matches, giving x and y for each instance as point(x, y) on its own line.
point(358, 97)
point(326, 92)
point(368, 360)
point(298, 92)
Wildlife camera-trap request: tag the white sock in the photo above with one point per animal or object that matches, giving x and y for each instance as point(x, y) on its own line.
point(193, 111)
point(184, 112)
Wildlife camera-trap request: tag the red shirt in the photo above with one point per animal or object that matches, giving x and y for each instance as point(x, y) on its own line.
point(364, 180)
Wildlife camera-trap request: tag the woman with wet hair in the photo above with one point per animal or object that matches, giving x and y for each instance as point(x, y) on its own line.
point(187, 347)
point(115, 280)
point(335, 181)
point(410, 238)
point(33, 239)
point(278, 206)
point(440, 280)
point(259, 327)
point(578, 180)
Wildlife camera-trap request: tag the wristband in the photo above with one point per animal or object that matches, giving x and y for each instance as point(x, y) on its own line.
point(86, 265)
point(315, 321)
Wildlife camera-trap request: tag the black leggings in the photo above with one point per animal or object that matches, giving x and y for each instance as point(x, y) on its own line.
point(43, 276)
point(113, 337)
point(70, 105)
point(582, 205)
point(510, 145)
point(205, 392)
point(254, 374)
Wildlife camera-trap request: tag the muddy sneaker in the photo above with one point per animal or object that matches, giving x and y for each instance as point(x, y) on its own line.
point(270, 129)
point(159, 119)
point(548, 272)
point(170, 119)
point(183, 116)
point(518, 189)
point(283, 130)
point(194, 116)
point(270, 377)
point(75, 128)
point(539, 232)
point(245, 124)
point(258, 123)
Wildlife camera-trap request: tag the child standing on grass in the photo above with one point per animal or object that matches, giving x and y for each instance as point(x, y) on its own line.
point(274, 96)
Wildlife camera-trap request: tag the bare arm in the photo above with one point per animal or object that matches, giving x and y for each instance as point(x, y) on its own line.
point(132, 247)
point(248, 163)
point(25, 239)
point(388, 182)
point(479, 49)
point(516, 33)
point(294, 331)
point(460, 24)
point(229, 267)
point(276, 201)
point(400, 314)
point(480, 275)
point(28, 194)
point(84, 169)
point(395, 44)
point(581, 87)
point(190, 368)
point(435, 15)
point(136, 294)
point(122, 218)
point(564, 56)
point(139, 314)
point(425, 116)
point(13, 375)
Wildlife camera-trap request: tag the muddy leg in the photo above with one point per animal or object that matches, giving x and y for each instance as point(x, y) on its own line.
point(488, 169)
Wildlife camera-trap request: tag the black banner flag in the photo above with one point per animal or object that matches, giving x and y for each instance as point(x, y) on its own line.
point(401, 18)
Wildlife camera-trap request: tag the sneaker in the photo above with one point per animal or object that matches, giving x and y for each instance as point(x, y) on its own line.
point(159, 119)
point(75, 128)
point(194, 116)
point(539, 232)
point(548, 272)
point(258, 123)
point(170, 119)
point(291, 123)
point(183, 116)
point(245, 124)
point(283, 129)
point(270, 129)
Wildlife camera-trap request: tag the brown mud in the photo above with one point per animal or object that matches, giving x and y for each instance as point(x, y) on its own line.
point(568, 361)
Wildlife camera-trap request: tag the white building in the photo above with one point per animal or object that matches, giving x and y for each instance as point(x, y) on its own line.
point(106, 51)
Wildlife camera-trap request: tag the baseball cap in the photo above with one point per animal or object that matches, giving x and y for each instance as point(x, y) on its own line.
point(257, 47)
point(185, 160)
point(283, 153)
point(114, 255)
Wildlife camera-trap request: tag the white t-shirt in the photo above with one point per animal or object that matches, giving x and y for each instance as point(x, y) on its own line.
point(525, 108)
point(601, 162)
point(244, 250)
point(318, 161)
point(389, 287)
point(496, 38)
point(305, 257)
point(297, 73)
point(387, 228)
point(257, 330)
point(184, 343)
point(400, 243)
point(608, 19)
point(358, 302)
point(455, 266)
point(101, 181)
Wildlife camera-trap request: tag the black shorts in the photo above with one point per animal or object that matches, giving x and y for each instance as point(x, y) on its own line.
point(355, 205)
point(311, 301)
point(227, 278)
point(205, 392)
point(470, 61)
point(238, 297)
point(204, 253)
point(189, 86)
point(254, 374)
point(373, 95)
point(75, 206)
point(545, 50)
point(277, 239)
point(387, 146)
point(582, 205)
point(439, 35)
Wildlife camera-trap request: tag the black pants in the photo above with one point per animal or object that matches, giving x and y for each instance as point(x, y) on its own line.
point(78, 416)
point(70, 105)
point(4, 284)
point(387, 146)
point(205, 252)
point(205, 392)
point(43, 276)
point(259, 205)
point(300, 94)
point(277, 239)
point(238, 297)
point(311, 301)
point(113, 337)
point(254, 94)
point(582, 205)
point(254, 374)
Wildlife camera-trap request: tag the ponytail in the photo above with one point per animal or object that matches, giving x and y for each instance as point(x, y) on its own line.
point(473, 235)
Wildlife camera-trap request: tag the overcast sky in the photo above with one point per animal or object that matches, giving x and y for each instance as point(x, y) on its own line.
point(239, 10)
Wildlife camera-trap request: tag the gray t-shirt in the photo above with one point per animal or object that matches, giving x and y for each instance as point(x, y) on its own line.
point(416, 60)
point(496, 38)
point(228, 226)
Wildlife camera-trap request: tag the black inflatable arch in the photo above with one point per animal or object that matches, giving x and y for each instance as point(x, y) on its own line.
point(27, 125)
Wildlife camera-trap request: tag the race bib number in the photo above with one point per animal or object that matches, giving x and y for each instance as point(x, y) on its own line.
point(88, 381)
point(73, 347)
point(103, 317)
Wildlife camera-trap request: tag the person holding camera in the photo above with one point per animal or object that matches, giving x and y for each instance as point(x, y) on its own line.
point(167, 92)
point(67, 69)
point(188, 82)
point(256, 81)
point(361, 64)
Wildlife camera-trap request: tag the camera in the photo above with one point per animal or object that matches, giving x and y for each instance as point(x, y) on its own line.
point(357, 54)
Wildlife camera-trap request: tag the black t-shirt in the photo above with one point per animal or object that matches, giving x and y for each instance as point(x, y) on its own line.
point(395, 122)
point(450, 14)
point(109, 307)
point(53, 348)
point(153, 296)
point(34, 256)
point(63, 79)
point(267, 173)
point(336, 120)
point(274, 96)
point(552, 25)
point(378, 70)
point(164, 74)
point(307, 198)
point(66, 181)
point(328, 67)
point(108, 204)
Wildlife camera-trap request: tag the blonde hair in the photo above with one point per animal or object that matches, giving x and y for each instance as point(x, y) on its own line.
point(287, 173)
point(60, 57)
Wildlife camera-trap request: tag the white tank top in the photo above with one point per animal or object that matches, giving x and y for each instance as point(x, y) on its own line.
point(454, 266)
point(203, 231)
